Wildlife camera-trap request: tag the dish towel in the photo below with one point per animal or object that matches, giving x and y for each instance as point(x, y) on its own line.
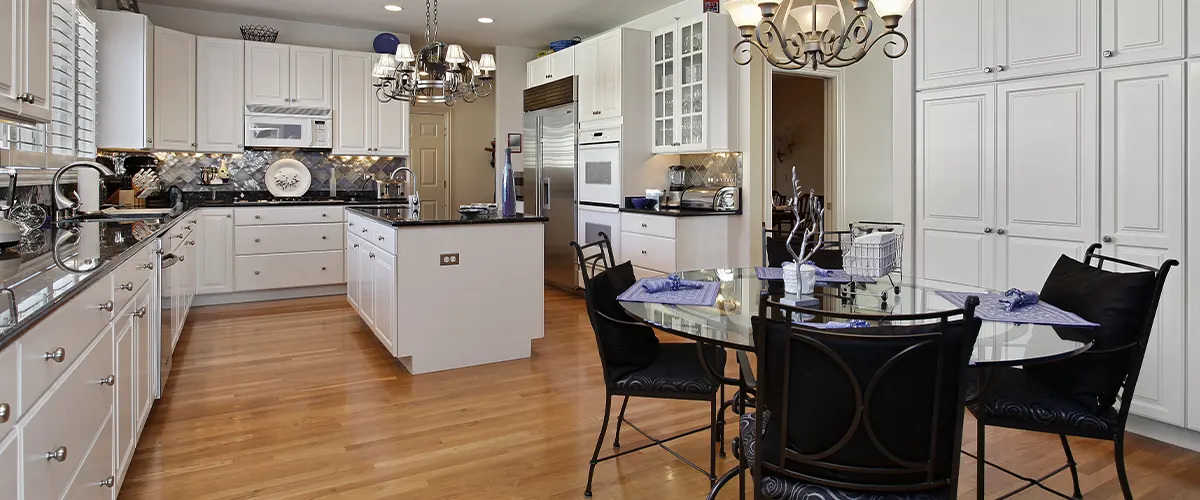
point(821, 272)
point(1041, 313)
point(1016, 298)
point(854, 323)
point(672, 284)
point(689, 293)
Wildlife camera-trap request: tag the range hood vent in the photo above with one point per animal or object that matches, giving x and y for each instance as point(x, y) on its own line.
point(256, 109)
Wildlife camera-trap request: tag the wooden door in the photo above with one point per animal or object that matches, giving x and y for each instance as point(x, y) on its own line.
point(220, 95)
point(389, 127)
point(1047, 171)
point(589, 80)
point(1034, 37)
point(665, 87)
point(37, 60)
point(428, 160)
point(385, 299)
point(1137, 31)
point(11, 54)
point(956, 185)
point(268, 74)
point(955, 42)
point(312, 77)
point(1142, 211)
point(608, 75)
point(353, 98)
point(214, 260)
point(174, 90)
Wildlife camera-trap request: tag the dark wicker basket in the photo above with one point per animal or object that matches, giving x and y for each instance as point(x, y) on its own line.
point(256, 33)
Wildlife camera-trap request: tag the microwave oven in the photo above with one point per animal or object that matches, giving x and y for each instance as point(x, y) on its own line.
point(268, 130)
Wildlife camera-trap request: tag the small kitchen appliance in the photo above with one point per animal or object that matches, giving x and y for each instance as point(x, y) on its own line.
point(676, 184)
point(716, 199)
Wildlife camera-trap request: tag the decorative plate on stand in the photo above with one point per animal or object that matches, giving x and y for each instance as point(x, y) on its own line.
point(288, 178)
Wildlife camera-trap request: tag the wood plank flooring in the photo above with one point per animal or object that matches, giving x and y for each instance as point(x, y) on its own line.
point(297, 400)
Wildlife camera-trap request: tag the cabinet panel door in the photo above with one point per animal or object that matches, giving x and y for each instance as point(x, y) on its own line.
point(352, 102)
point(955, 42)
point(366, 282)
point(125, 404)
point(1193, 35)
point(608, 75)
point(1142, 210)
point(1069, 35)
point(666, 90)
point(174, 90)
point(10, 467)
point(1193, 274)
point(352, 272)
point(1047, 170)
point(385, 299)
point(147, 358)
point(692, 134)
point(220, 95)
point(589, 80)
point(214, 259)
point(268, 74)
point(537, 72)
point(956, 185)
point(11, 41)
point(37, 60)
point(1138, 31)
point(390, 130)
point(562, 64)
point(312, 77)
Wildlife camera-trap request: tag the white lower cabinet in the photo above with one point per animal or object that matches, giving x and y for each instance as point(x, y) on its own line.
point(291, 270)
point(147, 358)
point(96, 479)
point(288, 247)
point(383, 266)
point(353, 287)
point(660, 244)
point(10, 466)
point(125, 408)
point(371, 278)
point(214, 262)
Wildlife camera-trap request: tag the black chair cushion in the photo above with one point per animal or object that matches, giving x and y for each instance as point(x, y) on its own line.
point(1016, 399)
point(1120, 302)
point(625, 348)
point(777, 254)
point(676, 371)
point(746, 432)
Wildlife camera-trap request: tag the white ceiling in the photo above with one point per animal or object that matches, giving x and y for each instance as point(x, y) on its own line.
point(522, 23)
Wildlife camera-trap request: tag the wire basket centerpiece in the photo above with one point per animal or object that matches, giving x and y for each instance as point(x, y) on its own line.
point(259, 33)
point(874, 250)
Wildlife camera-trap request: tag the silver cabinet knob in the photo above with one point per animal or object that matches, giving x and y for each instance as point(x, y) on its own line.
point(191, 243)
point(987, 69)
point(256, 240)
point(256, 273)
point(58, 455)
point(1107, 53)
point(356, 245)
point(193, 144)
point(127, 286)
point(1001, 231)
point(324, 237)
point(110, 380)
point(239, 146)
point(987, 230)
point(1106, 239)
point(141, 313)
point(149, 140)
point(179, 236)
point(1000, 67)
point(182, 258)
point(5, 412)
point(364, 231)
point(381, 237)
point(351, 224)
point(108, 306)
point(57, 355)
point(324, 215)
point(372, 255)
point(643, 252)
point(109, 482)
point(643, 225)
point(147, 266)
point(257, 216)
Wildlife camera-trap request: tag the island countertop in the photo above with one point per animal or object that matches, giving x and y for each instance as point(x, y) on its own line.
point(401, 216)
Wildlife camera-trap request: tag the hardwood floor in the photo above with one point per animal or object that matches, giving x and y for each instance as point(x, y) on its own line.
point(297, 400)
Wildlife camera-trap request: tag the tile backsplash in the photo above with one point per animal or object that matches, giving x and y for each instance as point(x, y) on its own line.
point(716, 169)
point(247, 171)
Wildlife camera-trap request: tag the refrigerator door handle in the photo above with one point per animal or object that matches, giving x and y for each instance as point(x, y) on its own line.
point(546, 193)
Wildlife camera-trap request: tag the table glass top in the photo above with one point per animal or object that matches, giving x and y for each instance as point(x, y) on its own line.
point(728, 322)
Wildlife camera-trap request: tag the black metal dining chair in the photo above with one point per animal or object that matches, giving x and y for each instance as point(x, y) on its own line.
point(857, 413)
point(1075, 396)
point(635, 364)
point(775, 250)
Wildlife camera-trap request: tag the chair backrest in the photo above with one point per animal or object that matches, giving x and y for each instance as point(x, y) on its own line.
point(775, 251)
point(1136, 350)
point(870, 409)
point(594, 257)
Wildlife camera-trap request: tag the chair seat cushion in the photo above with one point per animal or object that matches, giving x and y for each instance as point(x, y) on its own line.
point(676, 370)
point(1013, 398)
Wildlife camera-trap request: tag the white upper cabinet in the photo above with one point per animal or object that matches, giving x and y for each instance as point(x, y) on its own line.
point(1138, 31)
point(537, 72)
point(174, 90)
point(1193, 35)
point(588, 81)
point(125, 93)
point(11, 53)
point(390, 133)
point(694, 86)
point(549, 68)
point(312, 77)
point(220, 95)
point(609, 73)
point(268, 76)
point(25, 59)
point(365, 126)
point(955, 42)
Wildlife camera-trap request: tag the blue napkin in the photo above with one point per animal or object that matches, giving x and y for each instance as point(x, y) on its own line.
point(824, 273)
point(1016, 298)
point(833, 325)
point(671, 284)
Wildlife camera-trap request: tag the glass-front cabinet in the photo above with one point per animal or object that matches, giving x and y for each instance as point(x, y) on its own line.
point(694, 85)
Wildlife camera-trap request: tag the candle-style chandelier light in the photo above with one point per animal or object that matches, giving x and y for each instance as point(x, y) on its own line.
point(438, 73)
point(817, 40)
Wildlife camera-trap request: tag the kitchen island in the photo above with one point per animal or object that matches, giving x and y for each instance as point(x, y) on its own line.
point(446, 293)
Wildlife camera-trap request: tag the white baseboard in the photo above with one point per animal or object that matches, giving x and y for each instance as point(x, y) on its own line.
point(262, 295)
point(1167, 433)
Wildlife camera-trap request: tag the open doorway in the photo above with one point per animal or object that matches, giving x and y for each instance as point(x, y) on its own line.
point(802, 131)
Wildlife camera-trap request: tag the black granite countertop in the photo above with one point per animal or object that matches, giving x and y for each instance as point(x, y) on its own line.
point(676, 212)
point(401, 217)
point(197, 199)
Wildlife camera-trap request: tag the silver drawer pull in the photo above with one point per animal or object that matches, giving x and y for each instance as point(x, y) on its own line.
point(179, 236)
point(57, 355)
point(381, 237)
point(356, 245)
point(108, 306)
point(324, 237)
point(146, 266)
point(110, 380)
point(643, 252)
point(58, 455)
point(141, 313)
point(5, 412)
point(324, 215)
point(643, 225)
point(127, 286)
point(256, 273)
point(256, 240)
point(182, 258)
point(322, 268)
point(257, 216)
point(191, 243)
point(351, 224)
point(193, 221)
point(109, 482)
point(372, 255)
point(364, 231)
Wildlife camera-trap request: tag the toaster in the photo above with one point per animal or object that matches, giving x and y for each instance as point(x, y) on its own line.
point(716, 199)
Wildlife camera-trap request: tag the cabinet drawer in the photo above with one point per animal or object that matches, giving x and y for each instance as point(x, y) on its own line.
point(383, 237)
point(268, 272)
point(362, 228)
point(255, 240)
point(10, 392)
point(91, 481)
point(72, 327)
point(131, 276)
point(176, 236)
point(651, 225)
point(70, 417)
point(255, 216)
point(649, 252)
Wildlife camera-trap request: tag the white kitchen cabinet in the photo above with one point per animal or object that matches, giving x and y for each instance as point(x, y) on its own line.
point(551, 67)
point(353, 289)
point(1193, 243)
point(220, 95)
point(174, 90)
point(1193, 35)
point(609, 69)
point(125, 403)
point(12, 52)
point(390, 133)
point(955, 42)
point(147, 358)
point(383, 274)
point(10, 466)
point(664, 244)
point(125, 80)
point(25, 59)
point(537, 72)
point(1137, 31)
point(364, 125)
point(288, 75)
point(366, 284)
point(215, 256)
point(97, 468)
point(694, 86)
point(1142, 211)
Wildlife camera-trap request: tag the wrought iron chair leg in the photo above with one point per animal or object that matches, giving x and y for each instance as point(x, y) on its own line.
point(712, 441)
point(980, 465)
point(721, 423)
point(587, 493)
point(1071, 462)
point(1121, 476)
point(620, 419)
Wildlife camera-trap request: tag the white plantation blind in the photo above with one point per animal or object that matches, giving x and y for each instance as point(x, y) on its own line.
point(85, 86)
point(62, 78)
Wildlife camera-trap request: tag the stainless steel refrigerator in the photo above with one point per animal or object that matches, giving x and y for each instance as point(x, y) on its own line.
point(549, 147)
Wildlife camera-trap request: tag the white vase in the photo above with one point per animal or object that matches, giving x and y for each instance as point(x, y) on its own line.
point(808, 279)
point(791, 278)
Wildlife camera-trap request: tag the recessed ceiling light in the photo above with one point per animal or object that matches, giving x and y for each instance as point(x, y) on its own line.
point(393, 8)
point(486, 20)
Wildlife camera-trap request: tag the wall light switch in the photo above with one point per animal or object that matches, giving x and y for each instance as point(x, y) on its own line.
point(449, 259)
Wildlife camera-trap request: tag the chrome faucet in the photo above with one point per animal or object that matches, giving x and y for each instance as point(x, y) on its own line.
point(64, 203)
point(414, 198)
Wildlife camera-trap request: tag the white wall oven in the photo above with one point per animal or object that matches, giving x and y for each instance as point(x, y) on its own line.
point(599, 169)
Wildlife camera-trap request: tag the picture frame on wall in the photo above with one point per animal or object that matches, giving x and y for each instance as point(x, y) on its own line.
point(713, 6)
point(514, 142)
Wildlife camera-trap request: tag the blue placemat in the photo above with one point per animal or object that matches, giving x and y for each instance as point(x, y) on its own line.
point(835, 275)
point(706, 295)
point(991, 309)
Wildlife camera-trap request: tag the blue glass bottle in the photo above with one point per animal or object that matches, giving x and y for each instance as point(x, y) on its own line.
point(508, 187)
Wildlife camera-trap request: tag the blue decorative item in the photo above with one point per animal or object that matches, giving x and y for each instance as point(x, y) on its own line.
point(673, 283)
point(385, 43)
point(824, 273)
point(558, 45)
point(508, 187)
point(1016, 298)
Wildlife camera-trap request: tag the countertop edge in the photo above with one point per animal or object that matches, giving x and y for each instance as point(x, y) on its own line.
point(429, 223)
point(678, 212)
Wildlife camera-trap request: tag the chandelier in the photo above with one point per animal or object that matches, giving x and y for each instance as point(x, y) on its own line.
point(438, 73)
point(816, 41)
